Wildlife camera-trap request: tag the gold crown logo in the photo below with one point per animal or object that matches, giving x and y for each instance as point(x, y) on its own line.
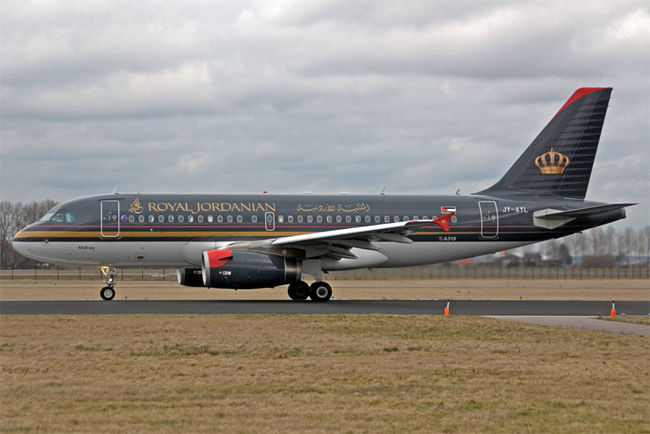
point(552, 163)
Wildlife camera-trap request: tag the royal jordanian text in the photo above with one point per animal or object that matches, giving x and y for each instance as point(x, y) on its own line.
point(198, 207)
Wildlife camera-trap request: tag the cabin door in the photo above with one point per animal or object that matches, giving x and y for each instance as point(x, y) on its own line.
point(489, 219)
point(110, 218)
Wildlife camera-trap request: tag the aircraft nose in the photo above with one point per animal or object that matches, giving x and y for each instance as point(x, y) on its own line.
point(19, 244)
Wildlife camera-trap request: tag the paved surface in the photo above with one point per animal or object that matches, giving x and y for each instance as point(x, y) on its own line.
point(584, 323)
point(397, 307)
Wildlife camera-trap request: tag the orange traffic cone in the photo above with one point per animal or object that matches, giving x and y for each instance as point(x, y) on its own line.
point(613, 312)
point(447, 308)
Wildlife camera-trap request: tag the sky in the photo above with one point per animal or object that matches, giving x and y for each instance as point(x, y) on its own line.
point(323, 96)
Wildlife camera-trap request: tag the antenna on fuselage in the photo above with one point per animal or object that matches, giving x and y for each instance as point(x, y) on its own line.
point(115, 189)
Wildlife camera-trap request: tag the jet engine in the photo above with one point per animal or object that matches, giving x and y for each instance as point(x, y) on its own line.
point(190, 276)
point(243, 269)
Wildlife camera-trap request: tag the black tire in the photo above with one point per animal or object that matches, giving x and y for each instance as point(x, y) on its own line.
point(320, 291)
point(298, 290)
point(107, 293)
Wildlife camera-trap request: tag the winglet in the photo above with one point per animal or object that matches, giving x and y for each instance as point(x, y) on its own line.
point(443, 221)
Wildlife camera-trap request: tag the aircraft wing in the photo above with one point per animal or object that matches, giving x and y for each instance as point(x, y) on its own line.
point(336, 244)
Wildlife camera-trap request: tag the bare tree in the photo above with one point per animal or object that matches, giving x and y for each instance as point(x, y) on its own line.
point(646, 238)
point(13, 217)
point(610, 241)
point(570, 242)
point(596, 241)
point(581, 244)
point(627, 242)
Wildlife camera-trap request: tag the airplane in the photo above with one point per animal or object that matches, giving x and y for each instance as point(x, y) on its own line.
point(247, 241)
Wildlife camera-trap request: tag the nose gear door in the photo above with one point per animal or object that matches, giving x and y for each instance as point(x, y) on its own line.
point(110, 218)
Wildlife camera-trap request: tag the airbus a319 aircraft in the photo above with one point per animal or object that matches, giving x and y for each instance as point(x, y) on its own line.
point(250, 241)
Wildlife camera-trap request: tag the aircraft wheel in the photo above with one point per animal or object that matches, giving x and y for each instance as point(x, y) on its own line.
point(107, 293)
point(298, 290)
point(320, 291)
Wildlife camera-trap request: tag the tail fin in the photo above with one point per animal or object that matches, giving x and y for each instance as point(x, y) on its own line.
point(559, 161)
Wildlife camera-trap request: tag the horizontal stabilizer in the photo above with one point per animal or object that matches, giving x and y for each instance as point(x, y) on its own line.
point(552, 218)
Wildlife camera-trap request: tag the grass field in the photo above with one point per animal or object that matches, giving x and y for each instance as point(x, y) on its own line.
point(149, 373)
point(476, 289)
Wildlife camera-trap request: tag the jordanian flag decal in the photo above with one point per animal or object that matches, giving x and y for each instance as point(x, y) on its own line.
point(447, 209)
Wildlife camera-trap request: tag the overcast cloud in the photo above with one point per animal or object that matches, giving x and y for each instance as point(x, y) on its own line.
point(325, 96)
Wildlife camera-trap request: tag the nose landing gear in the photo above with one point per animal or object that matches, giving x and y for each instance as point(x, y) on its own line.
point(109, 273)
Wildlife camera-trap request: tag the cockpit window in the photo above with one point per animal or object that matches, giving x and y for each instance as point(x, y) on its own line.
point(58, 217)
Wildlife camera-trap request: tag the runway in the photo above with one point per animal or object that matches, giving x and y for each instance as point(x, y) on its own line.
point(345, 307)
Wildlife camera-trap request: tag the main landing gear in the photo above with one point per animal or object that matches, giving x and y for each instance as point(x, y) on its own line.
point(318, 291)
point(108, 292)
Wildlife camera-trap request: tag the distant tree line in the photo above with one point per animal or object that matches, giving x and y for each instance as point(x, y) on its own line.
point(13, 217)
point(598, 247)
point(601, 247)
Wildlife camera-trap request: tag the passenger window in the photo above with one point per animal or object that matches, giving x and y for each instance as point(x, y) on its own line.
point(348, 219)
point(406, 218)
point(141, 219)
point(254, 219)
point(425, 217)
point(219, 219)
point(299, 219)
point(280, 219)
point(200, 219)
point(161, 218)
point(367, 219)
point(152, 219)
point(190, 219)
point(396, 219)
point(210, 218)
point(240, 219)
point(319, 219)
point(181, 219)
point(229, 219)
point(328, 219)
point(357, 219)
point(338, 219)
point(310, 219)
point(386, 219)
point(290, 219)
point(171, 218)
point(131, 219)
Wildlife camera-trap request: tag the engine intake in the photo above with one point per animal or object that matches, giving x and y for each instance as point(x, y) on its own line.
point(243, 269)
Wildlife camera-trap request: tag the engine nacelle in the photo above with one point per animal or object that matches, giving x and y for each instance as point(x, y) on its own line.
point(190, 276)
point(243, 269)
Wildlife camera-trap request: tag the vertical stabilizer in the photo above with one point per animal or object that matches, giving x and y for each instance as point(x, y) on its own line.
point(559, 161)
